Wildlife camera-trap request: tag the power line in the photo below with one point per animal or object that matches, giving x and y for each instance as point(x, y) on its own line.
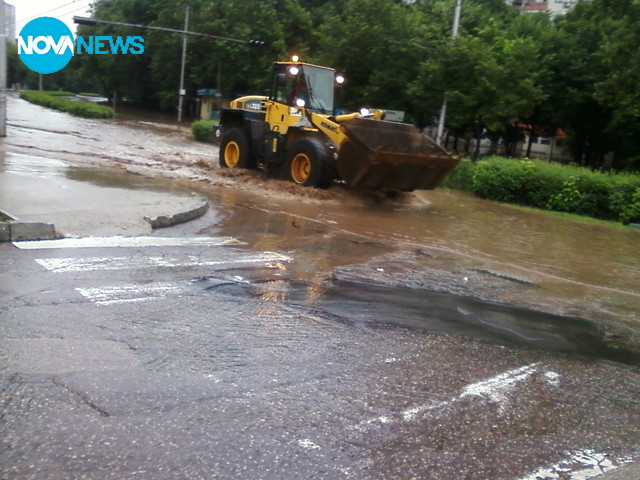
point(48, 11)
point(93, 21)
point(75, 10)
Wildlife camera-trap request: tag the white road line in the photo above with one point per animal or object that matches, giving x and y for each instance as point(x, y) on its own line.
point(129, 293)
point(118, 241)
point(308, 444)
point(65, 265)
point(497, 388)
point(580, 465)
point(412, 413)
point(494, 389)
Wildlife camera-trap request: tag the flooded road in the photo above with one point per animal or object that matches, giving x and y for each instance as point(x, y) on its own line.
point(450, 242)
point(440, 241)
point(298, 333)
point(443, 241)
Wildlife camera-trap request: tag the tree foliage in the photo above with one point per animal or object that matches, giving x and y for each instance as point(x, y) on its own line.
point(577, 72)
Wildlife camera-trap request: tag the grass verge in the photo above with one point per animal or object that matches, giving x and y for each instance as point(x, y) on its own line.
point(58, 102)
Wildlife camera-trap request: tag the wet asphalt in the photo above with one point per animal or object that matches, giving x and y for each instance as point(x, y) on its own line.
point(231, 350)
point(213, 364)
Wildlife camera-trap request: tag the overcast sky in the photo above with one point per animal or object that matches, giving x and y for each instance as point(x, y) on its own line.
point(62, 9)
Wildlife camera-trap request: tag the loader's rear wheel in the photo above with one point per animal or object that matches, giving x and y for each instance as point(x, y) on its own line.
point(309, 164)
point(235, 149)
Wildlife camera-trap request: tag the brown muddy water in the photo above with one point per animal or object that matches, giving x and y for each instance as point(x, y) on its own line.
point(440, 241)
point(444, 241)
point(444, 262)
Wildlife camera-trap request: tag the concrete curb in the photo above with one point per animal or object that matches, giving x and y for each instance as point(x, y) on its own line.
point(14, 230)
point(163, 221)
point(626, 472)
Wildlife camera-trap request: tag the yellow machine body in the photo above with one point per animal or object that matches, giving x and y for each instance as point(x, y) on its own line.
point(362, 150)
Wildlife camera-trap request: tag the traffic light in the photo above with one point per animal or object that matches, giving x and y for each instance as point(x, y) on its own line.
point(84, 20)
point(255, 43)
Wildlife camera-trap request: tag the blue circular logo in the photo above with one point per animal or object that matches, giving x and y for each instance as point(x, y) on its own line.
point(45, 45)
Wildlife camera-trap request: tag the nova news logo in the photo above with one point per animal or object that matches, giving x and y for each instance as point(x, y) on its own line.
point(46, 45)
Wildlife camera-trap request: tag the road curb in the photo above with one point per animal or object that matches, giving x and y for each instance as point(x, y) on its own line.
point(14, 230)
point(162, 221)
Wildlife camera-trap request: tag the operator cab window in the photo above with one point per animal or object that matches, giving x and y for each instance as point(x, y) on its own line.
point(313, 85)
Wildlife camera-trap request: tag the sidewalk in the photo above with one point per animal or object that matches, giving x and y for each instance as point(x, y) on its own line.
point(48, 198)
point(627, 472)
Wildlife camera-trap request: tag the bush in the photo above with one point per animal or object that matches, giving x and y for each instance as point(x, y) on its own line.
point(460, 177)
point(554, 186)
point(79, 108)
point(203, 130)
point(630, 212)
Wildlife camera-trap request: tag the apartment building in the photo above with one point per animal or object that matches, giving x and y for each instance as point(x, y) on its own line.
point(9, 27)
point(553, 7)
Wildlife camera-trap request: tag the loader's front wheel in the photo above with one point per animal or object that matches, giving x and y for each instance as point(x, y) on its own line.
point(235, 149)
point(309, 164)
point(301, 168)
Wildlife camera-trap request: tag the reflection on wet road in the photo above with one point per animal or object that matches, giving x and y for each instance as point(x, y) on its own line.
point(592, 270)
point(380, 307)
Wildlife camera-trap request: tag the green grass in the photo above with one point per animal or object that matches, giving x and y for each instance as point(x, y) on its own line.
point(56, 93)
point(580, 218)
point(57, 102)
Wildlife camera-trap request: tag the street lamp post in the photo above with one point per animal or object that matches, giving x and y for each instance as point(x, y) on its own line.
point(3, 75)
point(443, 110)
point(182, 91)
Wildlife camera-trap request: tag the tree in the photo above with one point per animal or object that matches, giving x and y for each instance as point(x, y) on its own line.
point(370, 41)
point(486, 80)
point(601, 65)
point(18, 72)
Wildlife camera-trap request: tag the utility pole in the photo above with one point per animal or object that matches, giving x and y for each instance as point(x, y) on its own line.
point(443, 110)
point(3, 73)
point(182, 91)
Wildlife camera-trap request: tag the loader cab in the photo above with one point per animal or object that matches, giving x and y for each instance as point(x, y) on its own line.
point(303, 85)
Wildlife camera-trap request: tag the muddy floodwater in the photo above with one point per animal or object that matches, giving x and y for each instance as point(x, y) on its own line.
point(441, 241)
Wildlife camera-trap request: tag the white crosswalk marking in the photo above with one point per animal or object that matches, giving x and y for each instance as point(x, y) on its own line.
point(129, 293)
point(142, 241)
point(70, 264)
point(222, 256)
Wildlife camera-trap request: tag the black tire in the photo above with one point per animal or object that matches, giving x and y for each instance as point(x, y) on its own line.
point(235, 149)
point(309, 163)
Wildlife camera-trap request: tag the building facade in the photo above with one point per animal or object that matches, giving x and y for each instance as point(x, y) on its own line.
point(553, 7)
point(9, 27)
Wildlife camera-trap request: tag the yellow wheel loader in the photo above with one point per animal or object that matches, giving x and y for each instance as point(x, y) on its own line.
point(294, 131)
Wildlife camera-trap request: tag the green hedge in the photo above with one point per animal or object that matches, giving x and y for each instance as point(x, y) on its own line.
point(552, 186)
point(203, 130)
point(79, 108)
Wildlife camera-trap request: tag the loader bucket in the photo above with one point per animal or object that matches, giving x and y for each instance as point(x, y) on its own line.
point(380, 155)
